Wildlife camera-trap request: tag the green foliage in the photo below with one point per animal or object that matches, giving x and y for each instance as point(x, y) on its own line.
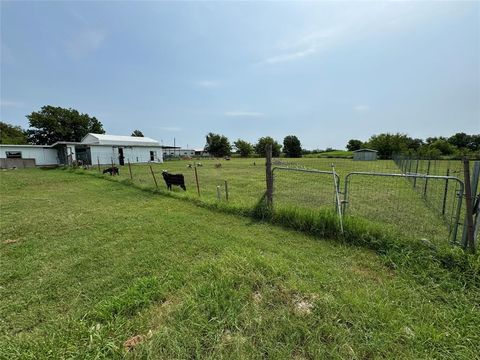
point(263, 142)
point(244, 148)
point(388, 144)
point(52, 124)
point(353, 145)
point(465, 141)
point(217, 145)
point(10, 134)
point(137, 133)
point(292, 146)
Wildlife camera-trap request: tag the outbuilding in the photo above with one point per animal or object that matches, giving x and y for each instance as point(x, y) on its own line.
point(92, 150)
point(365, 155)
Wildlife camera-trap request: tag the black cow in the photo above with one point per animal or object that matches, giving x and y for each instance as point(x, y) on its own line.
point(174, 179)
point(112, 170)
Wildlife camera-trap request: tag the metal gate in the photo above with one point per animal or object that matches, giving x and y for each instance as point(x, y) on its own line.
point(300, 191)
point(452, 222)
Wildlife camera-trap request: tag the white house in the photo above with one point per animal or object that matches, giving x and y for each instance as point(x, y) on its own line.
point(93, 149)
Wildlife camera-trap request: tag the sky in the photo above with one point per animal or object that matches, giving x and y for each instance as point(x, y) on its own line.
point(326, 72)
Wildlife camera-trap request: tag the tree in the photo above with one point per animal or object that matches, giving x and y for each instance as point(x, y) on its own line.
point(443, 147)
point(292, 147)
point(353, 145)
point(264, 141)
point(137, 133)
point(243, 147)
point(389, 144)
point(217, 145)
point(53, 124)
point(10, 134)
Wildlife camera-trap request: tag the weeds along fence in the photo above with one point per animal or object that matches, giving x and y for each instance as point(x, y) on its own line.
point(417, 207)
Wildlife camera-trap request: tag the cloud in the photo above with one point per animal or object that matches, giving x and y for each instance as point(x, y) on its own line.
point(85, 43)
point(244, 113)
point(171, 128)
point(208, 83)
point(361, 108)
point(9, 103)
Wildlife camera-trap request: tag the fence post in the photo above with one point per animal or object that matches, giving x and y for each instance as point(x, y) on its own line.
point(469, 205)
point(426, 181)
point(226, 190)
point(476, 204)
point(415, 178)
point(153, 174)
point(445, 193)
point(130, 169)
point(269, 175)
point(196, 180)
point(98, 163)
point(218, 193)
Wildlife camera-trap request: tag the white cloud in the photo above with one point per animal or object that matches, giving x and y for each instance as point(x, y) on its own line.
point(85, 43)
point(372, 19)
point(171, 128)
point(244, 113)
point(361, 108)
point(9, 103)
point(208, 83)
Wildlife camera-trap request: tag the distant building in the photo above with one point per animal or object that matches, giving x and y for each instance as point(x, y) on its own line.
point(93, 149)
point(365, 155)
point(201, 153)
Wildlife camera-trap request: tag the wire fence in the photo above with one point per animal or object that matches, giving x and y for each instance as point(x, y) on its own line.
point(418, 207)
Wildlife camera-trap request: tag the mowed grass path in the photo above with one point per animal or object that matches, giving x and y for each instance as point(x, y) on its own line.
point(87, 264)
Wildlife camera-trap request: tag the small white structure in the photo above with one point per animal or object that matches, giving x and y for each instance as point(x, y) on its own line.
point(93, 149)
point(365, 155)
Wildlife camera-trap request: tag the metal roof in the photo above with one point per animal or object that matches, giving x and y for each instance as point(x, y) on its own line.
point(104, 139)
point(365, 150)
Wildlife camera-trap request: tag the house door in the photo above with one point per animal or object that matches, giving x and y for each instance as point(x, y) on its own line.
point(152, 155)
point(121, 158)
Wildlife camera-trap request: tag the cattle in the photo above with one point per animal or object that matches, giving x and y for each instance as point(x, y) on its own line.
point(173, 179)
point(112, 170)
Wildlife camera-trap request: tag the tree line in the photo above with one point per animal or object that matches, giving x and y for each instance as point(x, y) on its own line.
point(459, 144)
point(219, 146)
point(52, 124)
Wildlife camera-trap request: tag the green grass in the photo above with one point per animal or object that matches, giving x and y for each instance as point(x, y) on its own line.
point(87, 264)
point(332, 154)
point(392, 202)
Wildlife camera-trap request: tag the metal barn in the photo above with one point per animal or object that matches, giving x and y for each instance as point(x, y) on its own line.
point(365, 155)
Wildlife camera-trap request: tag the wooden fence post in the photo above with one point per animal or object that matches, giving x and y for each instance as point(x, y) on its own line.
point(98, 163)
point(153, 174)
point(113, 170)
point(469, 205)
point(269, 175)
point(196, 180)
point(130, 169)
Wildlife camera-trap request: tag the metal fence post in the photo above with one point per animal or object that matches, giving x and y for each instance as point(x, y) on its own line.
point(269, 175)
point(416, 172)
point(226, 190)
point(445, 193)
point(98, 163)
point(426, 181)
point(469, 207)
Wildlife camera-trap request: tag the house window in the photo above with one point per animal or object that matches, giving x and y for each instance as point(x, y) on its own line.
point(14, 154)
point(152, 155)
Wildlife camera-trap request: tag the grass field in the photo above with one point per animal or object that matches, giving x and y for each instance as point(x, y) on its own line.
point(88, 263)
point(390, 202)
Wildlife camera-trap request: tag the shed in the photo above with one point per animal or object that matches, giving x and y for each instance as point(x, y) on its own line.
point(365, 155)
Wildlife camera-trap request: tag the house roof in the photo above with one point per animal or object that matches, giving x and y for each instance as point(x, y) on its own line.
point(104, 139)
point(365, 150)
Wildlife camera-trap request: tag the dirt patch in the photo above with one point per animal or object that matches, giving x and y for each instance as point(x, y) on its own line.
point(130, 343)
point(257, 297)
point(10, 241)
point(303, 305)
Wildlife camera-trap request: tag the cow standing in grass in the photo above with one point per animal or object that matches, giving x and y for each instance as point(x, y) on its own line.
point(173, 179)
